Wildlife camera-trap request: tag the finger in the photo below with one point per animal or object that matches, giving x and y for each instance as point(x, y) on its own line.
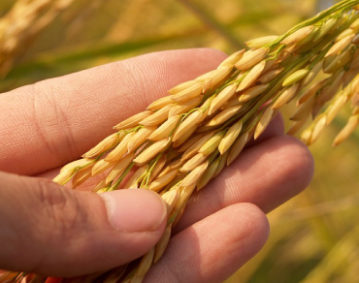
point(267, 174)
point(55, 231)
point(212, 249)
point(59, 119)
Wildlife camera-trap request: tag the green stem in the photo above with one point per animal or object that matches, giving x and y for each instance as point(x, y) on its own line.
point(212, 23)
point(339, 7)
point(124, 174)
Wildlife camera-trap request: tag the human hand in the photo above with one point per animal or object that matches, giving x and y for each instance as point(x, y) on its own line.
point(60, 232)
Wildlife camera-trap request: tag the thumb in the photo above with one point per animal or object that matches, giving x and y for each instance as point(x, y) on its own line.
point(55, 231)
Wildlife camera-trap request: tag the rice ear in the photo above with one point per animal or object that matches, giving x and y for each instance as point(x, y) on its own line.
point(184, 140)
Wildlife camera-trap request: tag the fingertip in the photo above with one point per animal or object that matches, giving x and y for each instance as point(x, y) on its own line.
point(214, 247)
point(299, 160)
point(256, 223)
point(291, 171)
point(274, 129)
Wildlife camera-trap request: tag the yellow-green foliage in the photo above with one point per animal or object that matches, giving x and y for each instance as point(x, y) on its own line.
point(315, 236)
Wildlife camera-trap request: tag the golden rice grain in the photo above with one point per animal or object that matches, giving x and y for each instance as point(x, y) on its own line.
point(170, 198)
point(344, 34)
point(222, 98)
point(119, 168)
point(335, 107)
point(162, 181)
point(224, 115)
point(252, 76)
point(269, 76)
point(263, 122)
point(237, 148)
point(159, 103)
point(252, 93)
point(152, 151)
point(232, 59)
point(107, 144)
point(165, 129)
point(81, 176)
point(133, 120)
point(191, 121)
point(181, 139)
point(181, 86)
point(100, 166)
point(120, 150)
point(143, 267)
point(70, 169)
point(192, 178)
point(208, 175)
point(188, 93)
point(347, 130)
point(185, 106)
point(162, 244)
point(251, 58)
point(261, 41)
point(211, 145)
point(286, 96)
point(340, 45)
point(193, 148)
point(298, 35)
point(193, 162)
point(136, 177)
point(157, 117)
point(230, 137)
point(160, 164)
point(318, 128)
point(295, 77)
point(217, 77)
point(139, 138)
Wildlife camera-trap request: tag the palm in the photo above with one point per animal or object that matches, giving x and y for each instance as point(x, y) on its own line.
point(55, 121)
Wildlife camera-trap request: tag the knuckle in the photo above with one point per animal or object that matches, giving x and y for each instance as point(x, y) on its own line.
point(48, 124)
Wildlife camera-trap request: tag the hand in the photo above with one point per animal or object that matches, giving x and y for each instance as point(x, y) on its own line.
point(60, 232)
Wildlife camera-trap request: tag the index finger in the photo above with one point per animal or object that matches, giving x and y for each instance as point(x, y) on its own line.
point(49, 123)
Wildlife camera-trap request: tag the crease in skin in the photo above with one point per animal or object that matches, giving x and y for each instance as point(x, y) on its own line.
point(41, 128)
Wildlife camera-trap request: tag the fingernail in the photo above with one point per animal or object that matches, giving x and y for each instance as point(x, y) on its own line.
point(134, 210)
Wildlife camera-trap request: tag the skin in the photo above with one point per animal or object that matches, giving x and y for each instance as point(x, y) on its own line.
point(61, 232)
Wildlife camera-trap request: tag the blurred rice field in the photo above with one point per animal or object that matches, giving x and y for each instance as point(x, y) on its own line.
point(315, 237)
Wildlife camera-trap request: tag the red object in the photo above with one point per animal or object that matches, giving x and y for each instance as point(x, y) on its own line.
point(53, 280)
